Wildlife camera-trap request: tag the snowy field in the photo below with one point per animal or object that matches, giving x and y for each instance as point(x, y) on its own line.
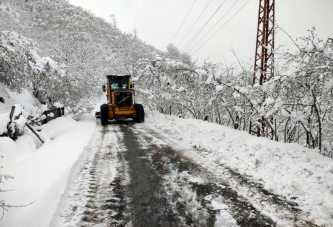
point(41, 173)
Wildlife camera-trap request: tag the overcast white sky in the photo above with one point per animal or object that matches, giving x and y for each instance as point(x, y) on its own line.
point(157, 22)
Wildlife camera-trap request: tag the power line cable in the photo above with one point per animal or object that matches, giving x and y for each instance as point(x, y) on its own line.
point(184, 48)
point(194, 23)
point(183, 21)
point(214, 25)
point(219, 29)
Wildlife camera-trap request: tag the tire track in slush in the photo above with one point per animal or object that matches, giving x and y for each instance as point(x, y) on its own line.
point(96, 198)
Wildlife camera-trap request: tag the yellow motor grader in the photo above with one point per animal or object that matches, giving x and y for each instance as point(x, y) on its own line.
point(120, 101)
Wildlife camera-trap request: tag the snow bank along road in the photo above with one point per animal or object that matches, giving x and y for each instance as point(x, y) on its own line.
point(137, 176)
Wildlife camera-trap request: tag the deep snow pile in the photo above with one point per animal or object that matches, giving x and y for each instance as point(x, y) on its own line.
point(26, 105)
point(284, 169)
point(42, 175)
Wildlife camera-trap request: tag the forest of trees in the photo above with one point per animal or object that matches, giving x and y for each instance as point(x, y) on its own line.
point(293, 107)
point(62, 53)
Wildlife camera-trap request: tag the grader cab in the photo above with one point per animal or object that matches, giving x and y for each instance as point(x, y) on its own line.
point(120, 101)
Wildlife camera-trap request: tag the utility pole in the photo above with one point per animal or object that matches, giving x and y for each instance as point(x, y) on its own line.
point(264, 53)
point(264, 56)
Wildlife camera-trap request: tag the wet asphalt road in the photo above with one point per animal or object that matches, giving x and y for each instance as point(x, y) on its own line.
point(149, 205)
point(160, 194)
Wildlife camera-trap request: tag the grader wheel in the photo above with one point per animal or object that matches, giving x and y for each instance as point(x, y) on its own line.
point(140, 113)
point(104, 114)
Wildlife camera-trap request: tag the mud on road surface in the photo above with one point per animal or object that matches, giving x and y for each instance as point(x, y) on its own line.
point(133, 176)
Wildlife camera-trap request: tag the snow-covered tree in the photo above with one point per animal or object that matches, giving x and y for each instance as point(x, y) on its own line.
point(307, 88)
point(22, 67)
point(16, 60)
point(172, 51)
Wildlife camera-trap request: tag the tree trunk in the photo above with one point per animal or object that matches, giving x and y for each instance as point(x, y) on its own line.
point(319, 126)
point(285, 130)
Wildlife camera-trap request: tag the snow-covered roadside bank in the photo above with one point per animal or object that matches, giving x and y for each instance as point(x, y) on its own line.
point(42, 175)
point(290, 170)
